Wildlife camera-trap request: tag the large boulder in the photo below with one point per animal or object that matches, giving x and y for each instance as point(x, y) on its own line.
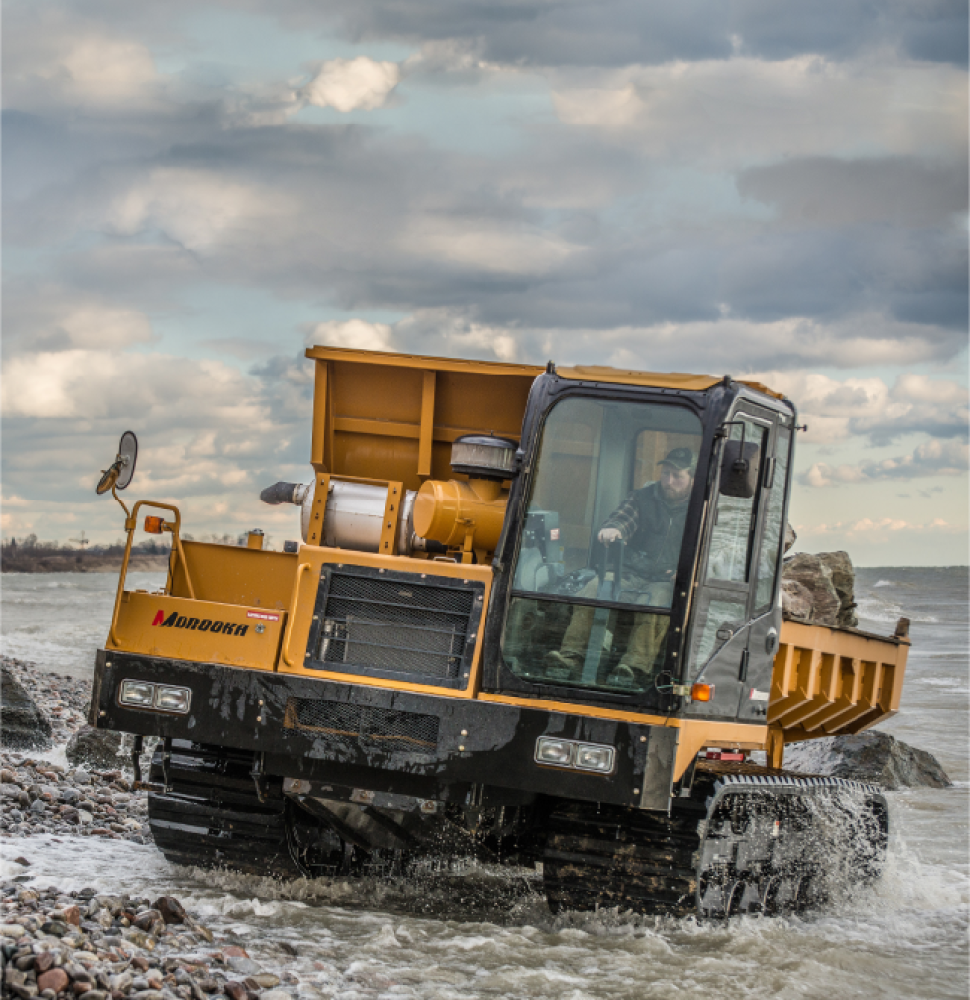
point(816, 578)
point(23, 726)
point(796, 600)
point(871, 756)
point(842, 572)
point(100, 749)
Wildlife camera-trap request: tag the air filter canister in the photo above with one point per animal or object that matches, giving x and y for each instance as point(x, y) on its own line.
point(482, 456)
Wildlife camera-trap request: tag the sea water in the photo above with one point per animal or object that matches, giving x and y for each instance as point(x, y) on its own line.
point(487, 933)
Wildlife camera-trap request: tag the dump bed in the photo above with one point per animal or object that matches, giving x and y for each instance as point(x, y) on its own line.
point(829, 681)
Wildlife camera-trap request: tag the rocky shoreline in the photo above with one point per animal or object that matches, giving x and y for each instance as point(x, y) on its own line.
point(59, 945)
point(82, 945)
point(89, 946)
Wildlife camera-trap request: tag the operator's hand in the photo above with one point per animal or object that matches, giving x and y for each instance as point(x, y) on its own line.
point(608, 535)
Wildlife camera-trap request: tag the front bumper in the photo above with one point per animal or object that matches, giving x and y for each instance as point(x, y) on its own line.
point(362, 737)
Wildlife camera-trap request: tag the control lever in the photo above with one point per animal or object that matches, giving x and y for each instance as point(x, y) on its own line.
point(608, 590)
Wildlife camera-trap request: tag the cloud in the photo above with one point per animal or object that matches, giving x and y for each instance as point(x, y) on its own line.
point(827, 191)
point(359, 84)
point(733, 111)
point(50, 317)
point(55, 58)
point(931, 458)
point(884, 526)
point(584, 33)
point(355, 333)
point(837, 410)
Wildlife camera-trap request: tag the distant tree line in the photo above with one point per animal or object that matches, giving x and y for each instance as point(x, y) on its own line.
point(32, 545)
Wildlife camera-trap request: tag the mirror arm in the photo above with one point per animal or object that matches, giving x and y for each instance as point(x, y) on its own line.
point(114, 493)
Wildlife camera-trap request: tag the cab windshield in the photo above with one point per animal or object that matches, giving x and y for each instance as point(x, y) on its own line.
point(594, 575)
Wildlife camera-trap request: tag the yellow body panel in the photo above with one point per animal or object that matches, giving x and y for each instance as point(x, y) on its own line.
point(232, 574)
point(141, 628)
point(311, 561)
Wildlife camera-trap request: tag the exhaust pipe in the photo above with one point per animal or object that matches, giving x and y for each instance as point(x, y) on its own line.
point(284, 493)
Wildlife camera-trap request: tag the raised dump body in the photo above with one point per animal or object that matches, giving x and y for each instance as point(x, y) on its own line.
point(527, 609)
point(828, 681)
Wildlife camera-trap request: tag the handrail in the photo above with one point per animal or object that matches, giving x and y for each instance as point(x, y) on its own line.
point(131, 522)
point(292, 614)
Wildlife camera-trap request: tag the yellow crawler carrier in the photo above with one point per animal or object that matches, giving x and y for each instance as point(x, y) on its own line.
point(534, 616)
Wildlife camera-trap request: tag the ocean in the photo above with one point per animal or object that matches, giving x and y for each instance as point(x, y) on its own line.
point(482, 933)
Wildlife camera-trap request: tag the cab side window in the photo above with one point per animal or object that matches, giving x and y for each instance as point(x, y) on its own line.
point(774, 524)
point(729, 557)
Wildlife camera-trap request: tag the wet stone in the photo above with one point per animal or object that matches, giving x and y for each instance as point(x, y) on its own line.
point(872, 756)
point(54, 979)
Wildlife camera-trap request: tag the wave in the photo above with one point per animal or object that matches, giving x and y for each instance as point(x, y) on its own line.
point(885, 612)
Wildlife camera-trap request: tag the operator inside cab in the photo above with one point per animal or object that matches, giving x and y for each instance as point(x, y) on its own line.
point(650, 523)
point(594, 577)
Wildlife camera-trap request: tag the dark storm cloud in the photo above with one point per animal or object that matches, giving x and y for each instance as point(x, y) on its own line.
point(624, 32)
point(367, 220)
point(827, 191)
point(603, 33)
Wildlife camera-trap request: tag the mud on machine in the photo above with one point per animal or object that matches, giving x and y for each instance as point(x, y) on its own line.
point(456, 659)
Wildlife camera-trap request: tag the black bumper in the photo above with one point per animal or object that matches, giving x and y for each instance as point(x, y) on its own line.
point(476, 743)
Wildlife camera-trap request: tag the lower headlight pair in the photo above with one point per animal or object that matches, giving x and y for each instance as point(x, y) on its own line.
point(569, 753)
point(161, 697)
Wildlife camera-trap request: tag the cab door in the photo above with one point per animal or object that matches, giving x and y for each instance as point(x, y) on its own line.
point(721, 622)
point(765, 628)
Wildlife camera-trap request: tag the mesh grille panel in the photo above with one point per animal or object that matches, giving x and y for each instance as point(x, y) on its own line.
point(386, 728)
point(402, 627)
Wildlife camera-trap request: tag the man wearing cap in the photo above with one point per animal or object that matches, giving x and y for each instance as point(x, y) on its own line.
point(651, 522)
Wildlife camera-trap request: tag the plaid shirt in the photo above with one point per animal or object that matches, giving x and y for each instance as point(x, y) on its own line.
point(626, 518)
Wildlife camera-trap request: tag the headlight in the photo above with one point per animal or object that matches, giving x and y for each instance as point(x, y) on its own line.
point(141, 694)
point(590, 757)
point(172, 699)
point(553, 751)
point(569, 753)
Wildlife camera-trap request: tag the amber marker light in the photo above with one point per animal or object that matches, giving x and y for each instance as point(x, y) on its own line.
point(701, 692)
point(154, 525)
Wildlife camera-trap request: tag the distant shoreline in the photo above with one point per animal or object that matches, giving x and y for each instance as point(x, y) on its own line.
point(39, 561)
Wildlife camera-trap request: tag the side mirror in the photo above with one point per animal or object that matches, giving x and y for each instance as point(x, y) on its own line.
point(118, 476)
point(740, 466)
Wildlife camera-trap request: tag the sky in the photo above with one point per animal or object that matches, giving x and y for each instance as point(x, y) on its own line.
point(195, 192)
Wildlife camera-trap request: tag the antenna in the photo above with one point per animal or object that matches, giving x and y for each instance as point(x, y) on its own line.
point(82, 541)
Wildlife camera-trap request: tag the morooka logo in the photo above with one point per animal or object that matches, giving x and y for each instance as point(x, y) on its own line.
point(175, 620)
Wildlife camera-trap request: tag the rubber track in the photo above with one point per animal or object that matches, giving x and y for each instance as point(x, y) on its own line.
point(213, 816)
point(607, 856)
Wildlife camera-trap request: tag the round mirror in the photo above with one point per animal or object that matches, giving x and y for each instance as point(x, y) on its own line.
point(123, 467)
point(127, 453)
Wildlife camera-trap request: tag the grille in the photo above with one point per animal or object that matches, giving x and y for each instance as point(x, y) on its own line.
point(387, 728)
point(402, 627)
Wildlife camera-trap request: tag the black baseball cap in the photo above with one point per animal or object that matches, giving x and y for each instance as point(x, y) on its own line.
point(680, 458)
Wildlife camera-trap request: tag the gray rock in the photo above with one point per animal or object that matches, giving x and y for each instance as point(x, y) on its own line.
point(23, 726)
point(790, 536)
point(840, 567)
point(244, 966)
point(81, 777)
point(97, 748)
point(870, 756)
point(796, 600)
point(815, 577)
